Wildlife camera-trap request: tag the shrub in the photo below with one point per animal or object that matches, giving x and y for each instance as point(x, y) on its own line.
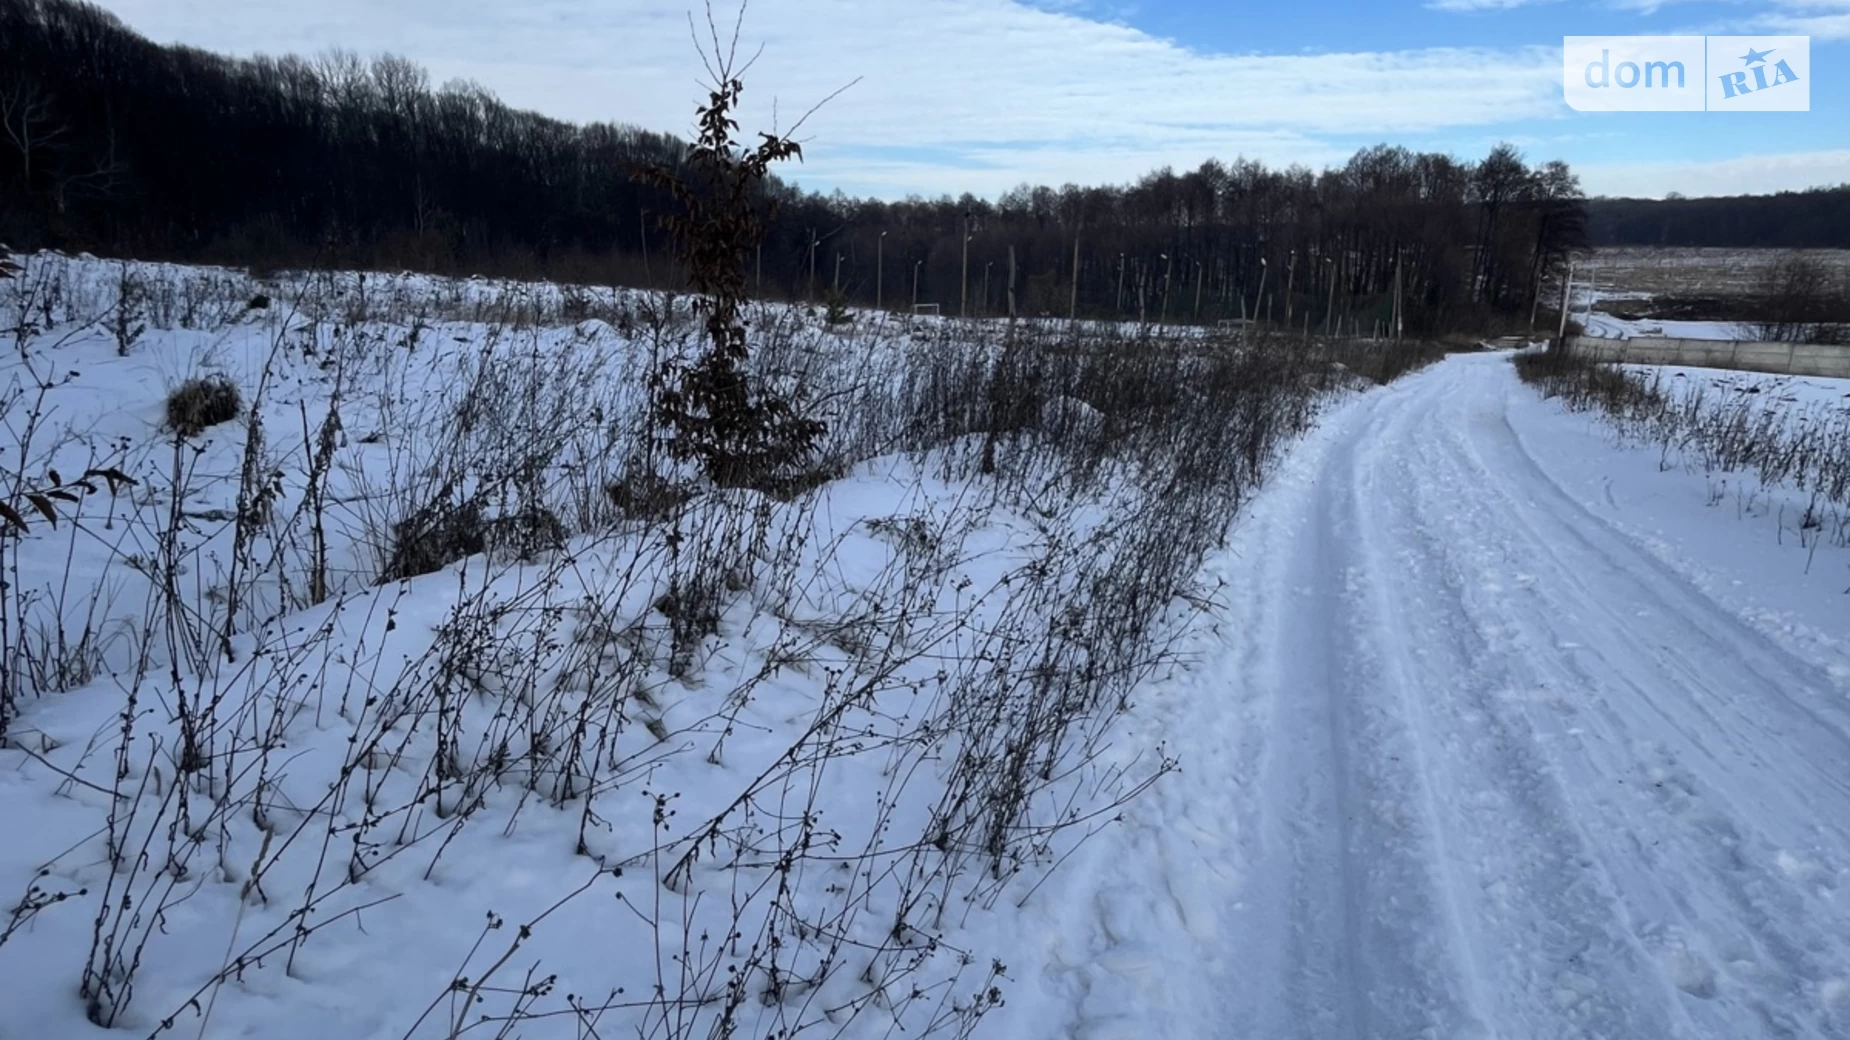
point(525, 534)
point(433, 537)
point(643, 495)
point(445, 531)
point(128, 320)
point(711, 411)
point(203, 402)
point(1799, 302)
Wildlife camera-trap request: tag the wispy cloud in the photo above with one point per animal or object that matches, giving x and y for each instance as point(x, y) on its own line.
point(1822, 19)
point(1482, 5)
point(1021, 91)
point(979, 95)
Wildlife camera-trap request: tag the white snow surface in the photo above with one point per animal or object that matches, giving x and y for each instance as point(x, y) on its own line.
point(1605, 326)
point(1795, 394)
point(509, 741)
point(1498, 730)
point(1601, 325)
point(1503, 733)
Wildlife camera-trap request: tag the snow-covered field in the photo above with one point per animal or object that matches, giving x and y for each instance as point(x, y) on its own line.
point(1607, 326)
point(1794, 395)
point(1487, 721)
point(775, 759)
point(1773, 449)
point(1590, 297)
point(1643, 271)
point(1617, 279)
point(1608, 280)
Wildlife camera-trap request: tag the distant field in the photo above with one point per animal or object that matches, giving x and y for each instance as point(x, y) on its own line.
point(1640, 271)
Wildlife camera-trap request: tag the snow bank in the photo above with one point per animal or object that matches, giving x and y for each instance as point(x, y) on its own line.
point(765, 760)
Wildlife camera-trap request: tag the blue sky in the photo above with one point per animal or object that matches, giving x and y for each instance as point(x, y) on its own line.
point(980, 95)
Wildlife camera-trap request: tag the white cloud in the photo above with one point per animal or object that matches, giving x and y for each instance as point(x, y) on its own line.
point(1818, 26)
point(1482, 5)
point(1819, 19)
point(1645, 6)
point(1046, 94)
point(1743, 175)
point(990, 170)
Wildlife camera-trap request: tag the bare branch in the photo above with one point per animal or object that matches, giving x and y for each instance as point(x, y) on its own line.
point(813, 109)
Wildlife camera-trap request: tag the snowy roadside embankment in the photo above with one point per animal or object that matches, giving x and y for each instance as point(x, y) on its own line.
point(1737, 480)
point(421, 698)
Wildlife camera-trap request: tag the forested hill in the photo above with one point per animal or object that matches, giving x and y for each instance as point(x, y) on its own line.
point(119, 146)
point(1815, 219)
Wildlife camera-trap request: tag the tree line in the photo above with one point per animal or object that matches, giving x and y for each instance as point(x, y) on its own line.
point(1815, 219)
point(111, 143)
point(116, 144)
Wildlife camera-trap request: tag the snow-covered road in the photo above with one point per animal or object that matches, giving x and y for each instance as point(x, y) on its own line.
point(1466, 759)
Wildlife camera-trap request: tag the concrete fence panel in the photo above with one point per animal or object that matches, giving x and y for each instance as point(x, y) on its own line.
point(1799, 359)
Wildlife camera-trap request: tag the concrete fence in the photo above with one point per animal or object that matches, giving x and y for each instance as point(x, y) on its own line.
point(1799, 359)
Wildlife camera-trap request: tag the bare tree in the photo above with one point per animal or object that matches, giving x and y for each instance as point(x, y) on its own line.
point(1500, 179)
point(100, 178)
point(29, 119)
point(1799, 302)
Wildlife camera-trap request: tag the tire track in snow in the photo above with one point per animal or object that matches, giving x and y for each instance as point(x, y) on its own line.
point(1545, 934)
point(1354, 892)
point(1464, 762)
point(1716, 893)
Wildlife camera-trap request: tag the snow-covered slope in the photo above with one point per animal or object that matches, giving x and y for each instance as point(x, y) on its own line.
point(422, 695)
point(1485, 724)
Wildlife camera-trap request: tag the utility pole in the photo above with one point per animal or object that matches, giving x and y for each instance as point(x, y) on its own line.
point(1291, 279)
point(1397, 322)
point(1329, 308)
point(1169, 267)
point(879, 271)
point(1011, 283)
point(1198, 273)
point(1567, 293)
point(642, 217)
point(1535, 296)
point(1593, 286)
point(1120, 285)
point(916, 264)
point(963, 289)
point(1264, 268)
